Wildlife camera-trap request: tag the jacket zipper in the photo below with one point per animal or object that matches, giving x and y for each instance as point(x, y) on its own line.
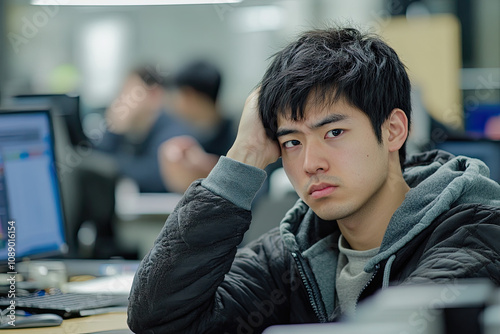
point(377, 267)
point(310, 292)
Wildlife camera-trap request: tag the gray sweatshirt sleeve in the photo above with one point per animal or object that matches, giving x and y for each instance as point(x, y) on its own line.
point(235, 181)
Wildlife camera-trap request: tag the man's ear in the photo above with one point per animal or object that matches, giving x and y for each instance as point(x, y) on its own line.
point(397, 129)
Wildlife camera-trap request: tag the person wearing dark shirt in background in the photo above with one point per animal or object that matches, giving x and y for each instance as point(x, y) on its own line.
point(194, 97)
point(137, 125)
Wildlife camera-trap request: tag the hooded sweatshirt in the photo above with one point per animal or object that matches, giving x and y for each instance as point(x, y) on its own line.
point(438, 181)
point(192, 281)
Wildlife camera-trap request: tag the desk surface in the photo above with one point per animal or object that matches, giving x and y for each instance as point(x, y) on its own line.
point(95, 323)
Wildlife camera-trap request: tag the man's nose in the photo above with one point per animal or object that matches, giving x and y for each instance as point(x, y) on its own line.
point(315, 160)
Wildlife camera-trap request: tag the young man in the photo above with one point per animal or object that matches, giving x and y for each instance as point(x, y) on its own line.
point(335, 105)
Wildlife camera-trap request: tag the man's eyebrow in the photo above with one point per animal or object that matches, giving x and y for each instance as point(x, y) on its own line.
point(284, 132)
point(332, 118)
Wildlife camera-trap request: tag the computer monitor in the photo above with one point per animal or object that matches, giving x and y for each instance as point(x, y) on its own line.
point(29, 187)
point(65, 106)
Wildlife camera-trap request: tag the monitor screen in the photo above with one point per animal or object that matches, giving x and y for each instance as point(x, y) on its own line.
point(29, 187)
point(64, 106)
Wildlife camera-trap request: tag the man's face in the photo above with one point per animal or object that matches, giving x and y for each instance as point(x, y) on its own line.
point(131, 107)
point(184, 102)
point(334, 160)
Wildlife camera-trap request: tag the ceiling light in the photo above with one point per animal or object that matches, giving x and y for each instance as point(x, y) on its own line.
point(127, 2)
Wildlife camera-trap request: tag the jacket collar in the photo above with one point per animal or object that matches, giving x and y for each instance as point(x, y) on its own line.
point(438, 181)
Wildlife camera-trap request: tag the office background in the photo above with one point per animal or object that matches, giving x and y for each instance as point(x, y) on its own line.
point(60, 49)
point(88, 50)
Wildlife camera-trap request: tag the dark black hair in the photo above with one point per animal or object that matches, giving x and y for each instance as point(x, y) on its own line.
point(336, 63)
point(201, 76)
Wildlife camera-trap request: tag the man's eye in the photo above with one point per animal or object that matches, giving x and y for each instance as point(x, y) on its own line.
point(334, 133)
point(291, 143)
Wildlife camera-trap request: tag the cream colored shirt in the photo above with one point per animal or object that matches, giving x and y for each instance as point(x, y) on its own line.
point(351, 277)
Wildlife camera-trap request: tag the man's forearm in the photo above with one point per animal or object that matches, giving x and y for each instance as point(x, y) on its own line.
point(194, 251)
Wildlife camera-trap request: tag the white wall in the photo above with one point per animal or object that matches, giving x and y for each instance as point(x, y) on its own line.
point(42, 39)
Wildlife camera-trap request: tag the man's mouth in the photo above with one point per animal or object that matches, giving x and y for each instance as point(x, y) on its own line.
point(317, 191)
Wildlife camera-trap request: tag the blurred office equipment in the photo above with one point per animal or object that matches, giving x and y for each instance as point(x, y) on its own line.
point(87, 178)
point(471, 141)
point(68, 305)
point(455, 307)
point(31, 212)
point(68, 134)
point(481, 120)
point(448, 308)
point(63, 106)
point(103, 219)
point(480, 137)
point(490, 319)
point(29, 186)
point(456, 99)
point(481, 87)
point(389, 328)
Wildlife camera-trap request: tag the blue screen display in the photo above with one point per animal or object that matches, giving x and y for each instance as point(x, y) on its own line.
point(30, 204)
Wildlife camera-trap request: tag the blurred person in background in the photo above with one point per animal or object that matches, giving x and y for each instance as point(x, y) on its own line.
point(194, 96)
point(137, 124)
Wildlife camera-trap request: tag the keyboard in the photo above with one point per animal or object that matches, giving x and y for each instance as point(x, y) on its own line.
point(68, 305)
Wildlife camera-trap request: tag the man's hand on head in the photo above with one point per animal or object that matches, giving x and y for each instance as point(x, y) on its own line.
point(252, 145)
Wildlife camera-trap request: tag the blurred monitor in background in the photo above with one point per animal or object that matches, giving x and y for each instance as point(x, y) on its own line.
point(64, 106)
point(87, 179)
point(69, 144)
point(483, 122)
point(31, 215)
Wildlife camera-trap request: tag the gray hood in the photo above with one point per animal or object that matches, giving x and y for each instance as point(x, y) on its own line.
point(438, 182)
